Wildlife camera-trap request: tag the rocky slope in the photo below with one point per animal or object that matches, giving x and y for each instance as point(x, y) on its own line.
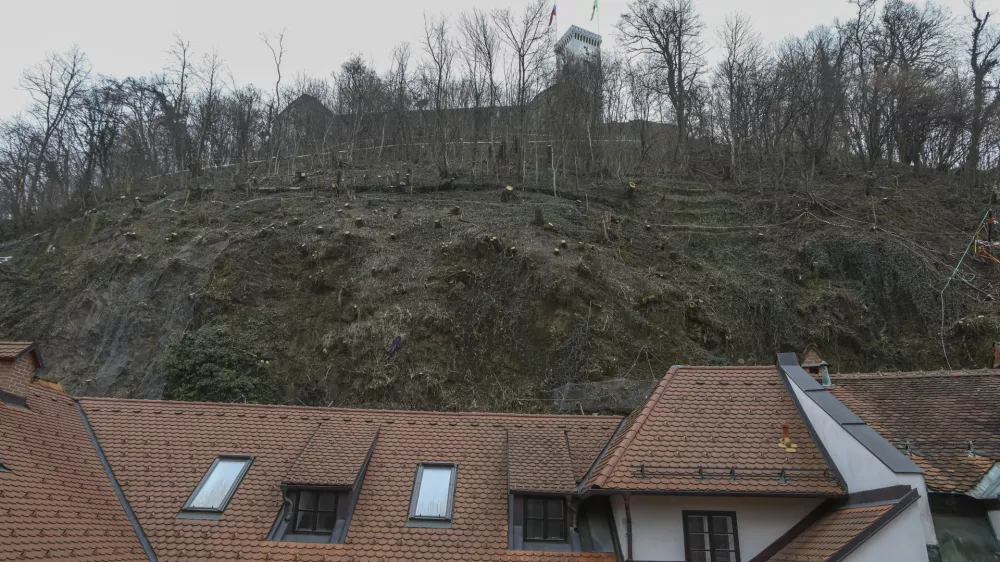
point(459, 299)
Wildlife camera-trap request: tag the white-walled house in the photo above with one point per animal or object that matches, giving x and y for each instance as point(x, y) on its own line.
point(732, 464)
point(948, 424)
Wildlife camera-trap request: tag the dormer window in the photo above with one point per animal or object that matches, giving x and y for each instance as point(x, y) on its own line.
point(433, 495)
point(219, 484)
point(315, 511)
point(544, 519)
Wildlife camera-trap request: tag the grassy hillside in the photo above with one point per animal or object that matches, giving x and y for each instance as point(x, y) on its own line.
point(299, 296)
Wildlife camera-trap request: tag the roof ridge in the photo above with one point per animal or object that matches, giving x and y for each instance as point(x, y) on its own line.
point(169, 403)
point(619, 451)
point(918, 374)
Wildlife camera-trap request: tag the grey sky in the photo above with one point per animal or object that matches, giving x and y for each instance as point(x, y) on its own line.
point(129, 37)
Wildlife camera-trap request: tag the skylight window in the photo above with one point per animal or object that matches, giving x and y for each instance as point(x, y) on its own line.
point(13, 400)
point(433, 492)
point(219, 484)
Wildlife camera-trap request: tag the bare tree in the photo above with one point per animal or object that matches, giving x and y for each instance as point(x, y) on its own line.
point(56, 87)
point(984, 55)
point(917, 42)
point(738, 78)
point(526, 34)
point(277, 47)
point(481, 48)
point(209, 73)
point(668, 32)
point(441, 51)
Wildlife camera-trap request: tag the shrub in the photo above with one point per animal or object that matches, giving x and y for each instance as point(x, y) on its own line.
point(208, 365)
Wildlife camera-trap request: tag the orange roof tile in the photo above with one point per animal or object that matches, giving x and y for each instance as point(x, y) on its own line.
point(716, 429)
point(161, 450)
point(11, 350)
point(934, 415)
point(350, 441)
point(57, 502)
point(830, 534)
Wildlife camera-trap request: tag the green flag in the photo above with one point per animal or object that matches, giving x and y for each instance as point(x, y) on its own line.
point(594, 11)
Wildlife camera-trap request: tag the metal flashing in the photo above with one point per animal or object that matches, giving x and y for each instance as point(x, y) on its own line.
point(884, 451)
point(593, 465)
point(890, 456)
point(148, 548)
point(837, 410)
point(812, 431)
point(802, 379)
point(879, 496)
point(356, 490)
point(988, 487)
point(594, 492)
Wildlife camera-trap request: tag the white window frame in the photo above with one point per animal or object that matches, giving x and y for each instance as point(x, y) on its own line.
point(418, 480)
point(247, 461)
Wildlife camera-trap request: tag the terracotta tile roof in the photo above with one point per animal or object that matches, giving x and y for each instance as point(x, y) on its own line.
point(936, 415)
point(11, 350)
point(830, 535)
point(567, 455)
point(57, 502)
point(715, 429)
point(351, 442)
point(161, 450)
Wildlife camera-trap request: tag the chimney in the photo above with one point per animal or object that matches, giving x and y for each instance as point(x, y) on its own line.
point(814, 363)
point(996, 355)
point(18, 362)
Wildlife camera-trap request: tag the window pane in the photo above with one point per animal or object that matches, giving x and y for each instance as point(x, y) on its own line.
point(327, 501)
point(535, 508)
point(697, 523)
point(723, 542)
point(700, 557)
point(307, 501)
point(555, 530)
point(325, 520)
point(555, 509)
point(435, 486)
point(218, 484)
point(534, 529)
point(724, 556)
point(722, 524)
point(304, 520)
point(698, 541)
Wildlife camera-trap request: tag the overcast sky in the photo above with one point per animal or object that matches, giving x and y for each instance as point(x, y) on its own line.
point(130, 38)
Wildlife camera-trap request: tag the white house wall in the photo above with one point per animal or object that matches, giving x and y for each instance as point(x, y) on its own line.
point(658, 525)
point(894, 542)
point(860, 469)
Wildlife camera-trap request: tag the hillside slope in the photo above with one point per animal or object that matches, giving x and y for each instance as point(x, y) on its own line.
point(454, 299)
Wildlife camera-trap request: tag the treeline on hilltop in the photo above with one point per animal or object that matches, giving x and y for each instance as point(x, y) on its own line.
point(485, 96)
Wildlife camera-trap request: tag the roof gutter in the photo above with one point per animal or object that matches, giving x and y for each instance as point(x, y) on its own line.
point(140, 534)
